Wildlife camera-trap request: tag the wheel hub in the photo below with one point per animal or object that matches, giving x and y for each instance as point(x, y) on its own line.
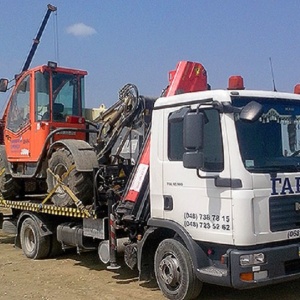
point(170, 271)
point(29, 240)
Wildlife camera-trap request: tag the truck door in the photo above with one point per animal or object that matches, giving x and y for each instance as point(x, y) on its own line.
point(191, 197)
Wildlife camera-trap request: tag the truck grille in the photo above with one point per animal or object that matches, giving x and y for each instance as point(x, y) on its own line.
point(292, 266)
point(284, 213)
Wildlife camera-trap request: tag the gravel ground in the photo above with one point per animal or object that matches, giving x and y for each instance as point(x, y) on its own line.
point(77, 277)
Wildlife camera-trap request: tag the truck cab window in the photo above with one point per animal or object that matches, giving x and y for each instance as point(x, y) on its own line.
point(213, 145)
point(175, 140)
point(18, 114)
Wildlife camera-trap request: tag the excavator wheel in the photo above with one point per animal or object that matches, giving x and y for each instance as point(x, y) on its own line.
point(10, 187)
point(62, 164)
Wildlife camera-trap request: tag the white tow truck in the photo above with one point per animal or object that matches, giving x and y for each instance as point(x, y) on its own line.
point(204, 186)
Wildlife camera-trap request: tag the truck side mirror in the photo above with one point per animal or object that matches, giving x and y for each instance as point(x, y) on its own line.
point(251, 112)
point(3, 84)
point(193, 128)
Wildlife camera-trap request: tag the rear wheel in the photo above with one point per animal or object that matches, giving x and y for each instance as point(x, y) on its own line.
point(10, 187)
point(174, 271)
point(33, 244)
point(62, 164)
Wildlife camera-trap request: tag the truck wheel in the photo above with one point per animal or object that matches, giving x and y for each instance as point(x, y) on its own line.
point(174, 271)
point(61, 163)
point(10, 187)
point(33, 244)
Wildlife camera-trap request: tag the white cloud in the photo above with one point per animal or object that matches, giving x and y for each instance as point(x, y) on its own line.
point(81, 29)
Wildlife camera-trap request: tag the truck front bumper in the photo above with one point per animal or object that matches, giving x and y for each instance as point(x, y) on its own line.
point(279, 264)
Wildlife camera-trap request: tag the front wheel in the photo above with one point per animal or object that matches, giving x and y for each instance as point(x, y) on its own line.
point(174, 271)
point(33, 244)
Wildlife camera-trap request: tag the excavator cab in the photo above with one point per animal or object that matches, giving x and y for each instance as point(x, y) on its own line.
point(43, 131)
point(44, 99)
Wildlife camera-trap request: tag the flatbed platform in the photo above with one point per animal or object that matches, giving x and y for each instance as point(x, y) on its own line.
point(36, 205)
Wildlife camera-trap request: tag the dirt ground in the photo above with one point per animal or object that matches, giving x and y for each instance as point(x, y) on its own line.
point(77, 277)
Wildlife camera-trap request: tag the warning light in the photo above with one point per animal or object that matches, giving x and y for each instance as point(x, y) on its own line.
point(297, 89)
point(236, 83)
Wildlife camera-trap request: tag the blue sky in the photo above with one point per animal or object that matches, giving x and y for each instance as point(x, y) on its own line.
point(140, 41)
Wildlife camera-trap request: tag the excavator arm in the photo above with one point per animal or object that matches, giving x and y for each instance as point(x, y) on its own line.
point(36, 41)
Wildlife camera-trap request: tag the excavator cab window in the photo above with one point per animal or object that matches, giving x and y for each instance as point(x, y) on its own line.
point(67, 95)
point(18, 114)
point(42, 96)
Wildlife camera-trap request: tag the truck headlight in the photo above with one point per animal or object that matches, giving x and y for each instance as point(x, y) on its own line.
point(252, 259)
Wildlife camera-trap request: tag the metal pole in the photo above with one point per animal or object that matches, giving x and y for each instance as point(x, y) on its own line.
point(112, 235)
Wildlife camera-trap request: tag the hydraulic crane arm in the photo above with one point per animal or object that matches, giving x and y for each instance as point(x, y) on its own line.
point(36, 41)
point(134, 208)
point(188, 77)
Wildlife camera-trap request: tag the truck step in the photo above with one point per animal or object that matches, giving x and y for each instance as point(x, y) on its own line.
point(9, 226)
point(213, 271)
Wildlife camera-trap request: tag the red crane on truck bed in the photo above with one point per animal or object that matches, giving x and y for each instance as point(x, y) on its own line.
point(187, 77)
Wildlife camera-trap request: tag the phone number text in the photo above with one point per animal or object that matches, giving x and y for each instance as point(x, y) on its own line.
point(207, 221)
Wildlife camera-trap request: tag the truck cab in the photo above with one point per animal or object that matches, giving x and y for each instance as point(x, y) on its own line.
point(230, 186)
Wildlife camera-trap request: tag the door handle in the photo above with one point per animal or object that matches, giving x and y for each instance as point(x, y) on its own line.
point(168, 202)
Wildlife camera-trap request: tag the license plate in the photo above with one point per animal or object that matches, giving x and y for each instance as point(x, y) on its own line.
point(293, 234)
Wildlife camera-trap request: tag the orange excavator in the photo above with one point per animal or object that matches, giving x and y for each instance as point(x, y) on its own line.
point(45, 106)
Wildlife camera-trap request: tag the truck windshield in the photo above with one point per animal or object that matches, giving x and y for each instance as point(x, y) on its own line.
point(272, 143)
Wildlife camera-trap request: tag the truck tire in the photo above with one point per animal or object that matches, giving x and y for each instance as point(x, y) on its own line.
point(33, 244)
point(174, 271)
point(60, 163)
point(10, 187)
